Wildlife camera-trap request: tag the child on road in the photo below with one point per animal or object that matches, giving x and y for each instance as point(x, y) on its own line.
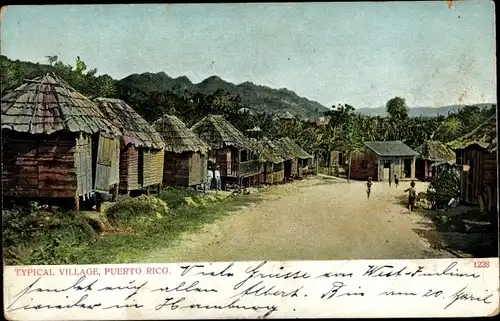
point(369, 186)
point(412, 195)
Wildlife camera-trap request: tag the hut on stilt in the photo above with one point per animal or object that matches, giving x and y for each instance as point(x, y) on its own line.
point(185, 153)
point(230, 149)
point(56, 143)
point(296, 159)
point(272, 170)
point(141, 148)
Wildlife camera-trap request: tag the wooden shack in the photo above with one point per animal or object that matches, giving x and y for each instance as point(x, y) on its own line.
point(230, 149)
point(272, 170)
point(185, 153)
point(296, 159)
point(432, 152)
point(381, 160)
point(56, 143)
point(141, 147)
point(476, 156)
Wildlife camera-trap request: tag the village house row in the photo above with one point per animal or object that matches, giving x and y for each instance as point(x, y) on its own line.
point(58, 143)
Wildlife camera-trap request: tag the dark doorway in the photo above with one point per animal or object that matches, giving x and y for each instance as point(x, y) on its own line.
point(407, 168)
point(288, 168)
point(341, 161)
point(140, 166)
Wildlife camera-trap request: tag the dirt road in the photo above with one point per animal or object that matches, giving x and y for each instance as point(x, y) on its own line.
point(314, 219)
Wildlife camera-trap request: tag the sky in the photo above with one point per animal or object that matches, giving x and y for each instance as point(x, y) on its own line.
point(362, 53)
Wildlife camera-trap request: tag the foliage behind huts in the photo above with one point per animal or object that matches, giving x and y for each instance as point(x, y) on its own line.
point(141, 148)
point(56, 142)
point(476, 156)
point(230, 149)
point(185, 153)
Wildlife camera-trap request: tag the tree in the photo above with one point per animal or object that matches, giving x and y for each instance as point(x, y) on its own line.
point(352, 142)
point(51, 59)
point(397, 109)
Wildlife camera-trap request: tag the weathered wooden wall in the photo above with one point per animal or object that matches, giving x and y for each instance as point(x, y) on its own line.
point(481, 177)
point(39, 166)
point(153, 167)
point(129, 169)
point(197, 169)
point(185, 169)
point(268, 173)
point(371, 170)
point(83, 164)
point(176, 169)
point(223, 159)
point(107, 166)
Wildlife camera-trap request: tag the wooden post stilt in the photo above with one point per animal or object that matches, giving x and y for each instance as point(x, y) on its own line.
point(115, 193)
point(77, 203)
point(159, 188)
point(147, 190)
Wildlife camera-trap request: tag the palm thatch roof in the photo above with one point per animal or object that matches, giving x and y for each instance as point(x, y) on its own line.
point(47, 104)
point(178, 137)
point(485, 136)
point(219, 133)
point(289, 149)
point(435, 151)
point(136, 130)
point(267, 151)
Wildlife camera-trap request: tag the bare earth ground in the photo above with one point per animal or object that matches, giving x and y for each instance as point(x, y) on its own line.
point(313, 219)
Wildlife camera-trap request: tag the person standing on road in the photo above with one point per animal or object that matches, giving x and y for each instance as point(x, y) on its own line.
point(369, 187)
point(209, 178)
point(412, 195)
point(217, 177)
point(396, 180)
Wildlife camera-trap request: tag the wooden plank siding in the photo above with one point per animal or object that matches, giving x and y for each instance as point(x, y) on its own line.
point(83, 164)
point(184, 169)
point(481, 178)
point(39, 165)
point(153, 167)
point(129, 169)
point(106, 165)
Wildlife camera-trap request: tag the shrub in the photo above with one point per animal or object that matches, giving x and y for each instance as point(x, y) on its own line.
point(175, 197)
point(443, 188)
point(32, 235)
point(137, 208)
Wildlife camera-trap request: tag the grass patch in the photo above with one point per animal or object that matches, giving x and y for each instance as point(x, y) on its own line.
point(139, 225)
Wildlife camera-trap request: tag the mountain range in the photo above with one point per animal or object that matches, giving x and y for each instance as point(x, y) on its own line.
point(260, 98)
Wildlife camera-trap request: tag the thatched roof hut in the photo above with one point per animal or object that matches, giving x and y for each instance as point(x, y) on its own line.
point(432, 153)
point(185, 153)
point(219, 133)
point(141, 152)
point(290, 149)
point(295, 157)
point(50, 133)
point(272, 162)
point(231, 150)
point(435, 151)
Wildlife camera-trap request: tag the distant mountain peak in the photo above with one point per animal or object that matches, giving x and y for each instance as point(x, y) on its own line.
point(258, 97)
